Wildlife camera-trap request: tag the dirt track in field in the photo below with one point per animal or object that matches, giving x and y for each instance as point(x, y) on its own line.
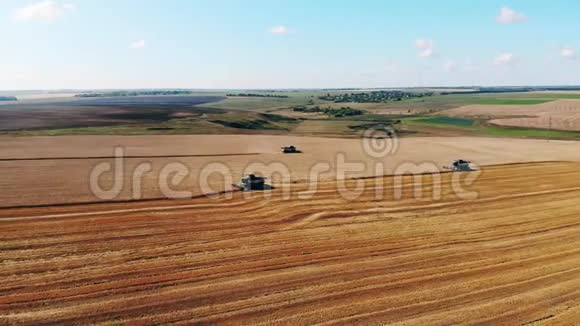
point(561, 114)
point(42, 176)
point(126, 156)
point(509, 256)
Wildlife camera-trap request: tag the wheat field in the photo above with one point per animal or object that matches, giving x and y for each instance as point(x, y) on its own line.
point(506, 254)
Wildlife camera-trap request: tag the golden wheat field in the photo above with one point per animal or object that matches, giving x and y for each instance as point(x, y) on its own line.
point(560, 114)
point(55, 170)
point(504, 251)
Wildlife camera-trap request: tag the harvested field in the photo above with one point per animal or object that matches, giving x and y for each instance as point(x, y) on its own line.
point(99, 111)
point(509, 256)
point(48, 179)
point(561, 114)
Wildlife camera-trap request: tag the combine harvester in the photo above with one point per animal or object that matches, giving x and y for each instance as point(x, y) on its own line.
point(460, 166)
point(290, 150)
point(252, 182)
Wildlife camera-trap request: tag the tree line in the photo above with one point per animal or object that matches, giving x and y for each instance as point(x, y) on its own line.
point(135, 93)
point(373, 97)
point(333, 112)
point(257, 95)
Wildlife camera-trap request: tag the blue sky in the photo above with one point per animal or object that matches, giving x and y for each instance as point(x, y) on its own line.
point(51, 44)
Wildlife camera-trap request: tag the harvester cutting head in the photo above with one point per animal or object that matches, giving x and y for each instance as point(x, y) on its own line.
point(460, 165)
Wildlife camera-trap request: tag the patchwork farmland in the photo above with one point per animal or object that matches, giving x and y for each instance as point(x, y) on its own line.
point(501, 250)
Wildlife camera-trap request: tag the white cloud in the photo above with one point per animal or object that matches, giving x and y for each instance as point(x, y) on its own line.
point(279, 30)
point(44, 11)
point(450, 66)
point(568, 53)
point(505, 59)
point(425, 48)
point(139, 44)
point(509, 16)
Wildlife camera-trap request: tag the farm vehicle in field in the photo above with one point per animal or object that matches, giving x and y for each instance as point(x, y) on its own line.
point(460, 166)
point(290, 150)
point(252, 182)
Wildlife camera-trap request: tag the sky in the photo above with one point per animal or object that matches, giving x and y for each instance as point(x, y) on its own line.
point(243, 44)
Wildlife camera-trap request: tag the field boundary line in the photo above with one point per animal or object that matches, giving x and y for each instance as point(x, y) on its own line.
point(125, 156)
